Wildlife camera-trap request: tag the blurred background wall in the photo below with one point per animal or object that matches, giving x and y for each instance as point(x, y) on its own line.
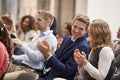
point(65, 10)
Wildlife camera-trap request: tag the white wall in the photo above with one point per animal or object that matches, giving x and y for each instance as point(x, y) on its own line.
point(28, 7)
point(109, 10)
point(81, 7)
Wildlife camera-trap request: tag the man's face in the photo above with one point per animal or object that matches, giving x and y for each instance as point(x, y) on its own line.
point(41, 23)
point(78, 29)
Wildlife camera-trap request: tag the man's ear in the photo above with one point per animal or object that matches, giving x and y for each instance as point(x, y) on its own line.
point(49, 22)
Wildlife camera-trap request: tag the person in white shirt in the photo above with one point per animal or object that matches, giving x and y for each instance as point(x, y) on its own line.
point(100, 58)
point(32, 58)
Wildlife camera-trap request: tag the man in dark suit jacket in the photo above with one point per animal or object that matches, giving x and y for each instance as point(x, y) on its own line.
point(62, 63)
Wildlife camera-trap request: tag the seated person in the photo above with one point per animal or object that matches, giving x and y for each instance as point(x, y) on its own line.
point(6, 50)
point(62, 63)
point(33, 60)
point(98, 65)
point(8, 22)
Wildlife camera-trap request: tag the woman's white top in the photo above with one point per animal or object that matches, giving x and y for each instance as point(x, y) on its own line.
point(105, 59)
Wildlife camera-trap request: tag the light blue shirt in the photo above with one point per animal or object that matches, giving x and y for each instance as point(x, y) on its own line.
point(33, 57)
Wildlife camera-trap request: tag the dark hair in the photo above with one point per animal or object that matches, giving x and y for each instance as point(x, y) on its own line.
point(68, 26)
point(31, 21)
point(54, 26)
point(5, 39)
point(7, 20)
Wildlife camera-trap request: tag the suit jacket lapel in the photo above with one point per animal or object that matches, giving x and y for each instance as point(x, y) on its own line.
point(60, 51)
point(70, 48)
point(67, 50)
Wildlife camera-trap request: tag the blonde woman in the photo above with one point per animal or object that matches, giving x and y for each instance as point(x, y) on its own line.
point(101, 55)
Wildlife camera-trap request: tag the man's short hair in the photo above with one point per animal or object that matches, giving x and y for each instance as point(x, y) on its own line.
point(45, 14)
point(82, 18)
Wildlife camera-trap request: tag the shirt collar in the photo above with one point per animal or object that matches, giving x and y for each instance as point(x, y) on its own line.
point(78, 38)
point(46, 32)
point(73, 39)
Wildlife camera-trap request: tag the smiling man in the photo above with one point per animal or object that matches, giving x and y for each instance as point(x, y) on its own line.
point(62, 64)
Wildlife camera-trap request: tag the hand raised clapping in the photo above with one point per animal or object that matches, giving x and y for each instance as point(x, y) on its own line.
point(44, 48)
point(80, 57)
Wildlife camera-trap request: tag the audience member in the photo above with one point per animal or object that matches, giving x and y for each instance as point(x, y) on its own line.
point(6, 50)
point(66, 32)
point(62, 63)
point(8, 22)
point(33, 59)
point(101, 55)
point(26, 31)
point(116, 62)
point(67, 29)
point(117, 42)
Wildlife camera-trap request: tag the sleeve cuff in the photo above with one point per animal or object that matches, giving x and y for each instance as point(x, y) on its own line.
point(49, 57)
point(23, 47)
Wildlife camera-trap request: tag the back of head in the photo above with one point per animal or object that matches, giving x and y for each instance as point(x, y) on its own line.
point(3, 32)
point(7, 19)
point(68, 25)
point(99, 33)
point(8, 22)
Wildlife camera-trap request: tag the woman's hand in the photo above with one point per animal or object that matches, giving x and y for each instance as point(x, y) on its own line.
point(80, 58)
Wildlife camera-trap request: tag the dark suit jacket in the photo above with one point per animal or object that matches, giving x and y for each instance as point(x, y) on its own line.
point(62, 63)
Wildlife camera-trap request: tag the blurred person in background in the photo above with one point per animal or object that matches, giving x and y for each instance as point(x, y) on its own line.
point(26, 30)
point(67, 29)
point(117, 42)
point(66, 32)
point(8, 22)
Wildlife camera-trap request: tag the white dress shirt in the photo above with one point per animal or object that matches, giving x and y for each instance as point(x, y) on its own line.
point(33, 57)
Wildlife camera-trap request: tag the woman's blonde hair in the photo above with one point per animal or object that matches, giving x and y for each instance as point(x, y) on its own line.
point(99, 34)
